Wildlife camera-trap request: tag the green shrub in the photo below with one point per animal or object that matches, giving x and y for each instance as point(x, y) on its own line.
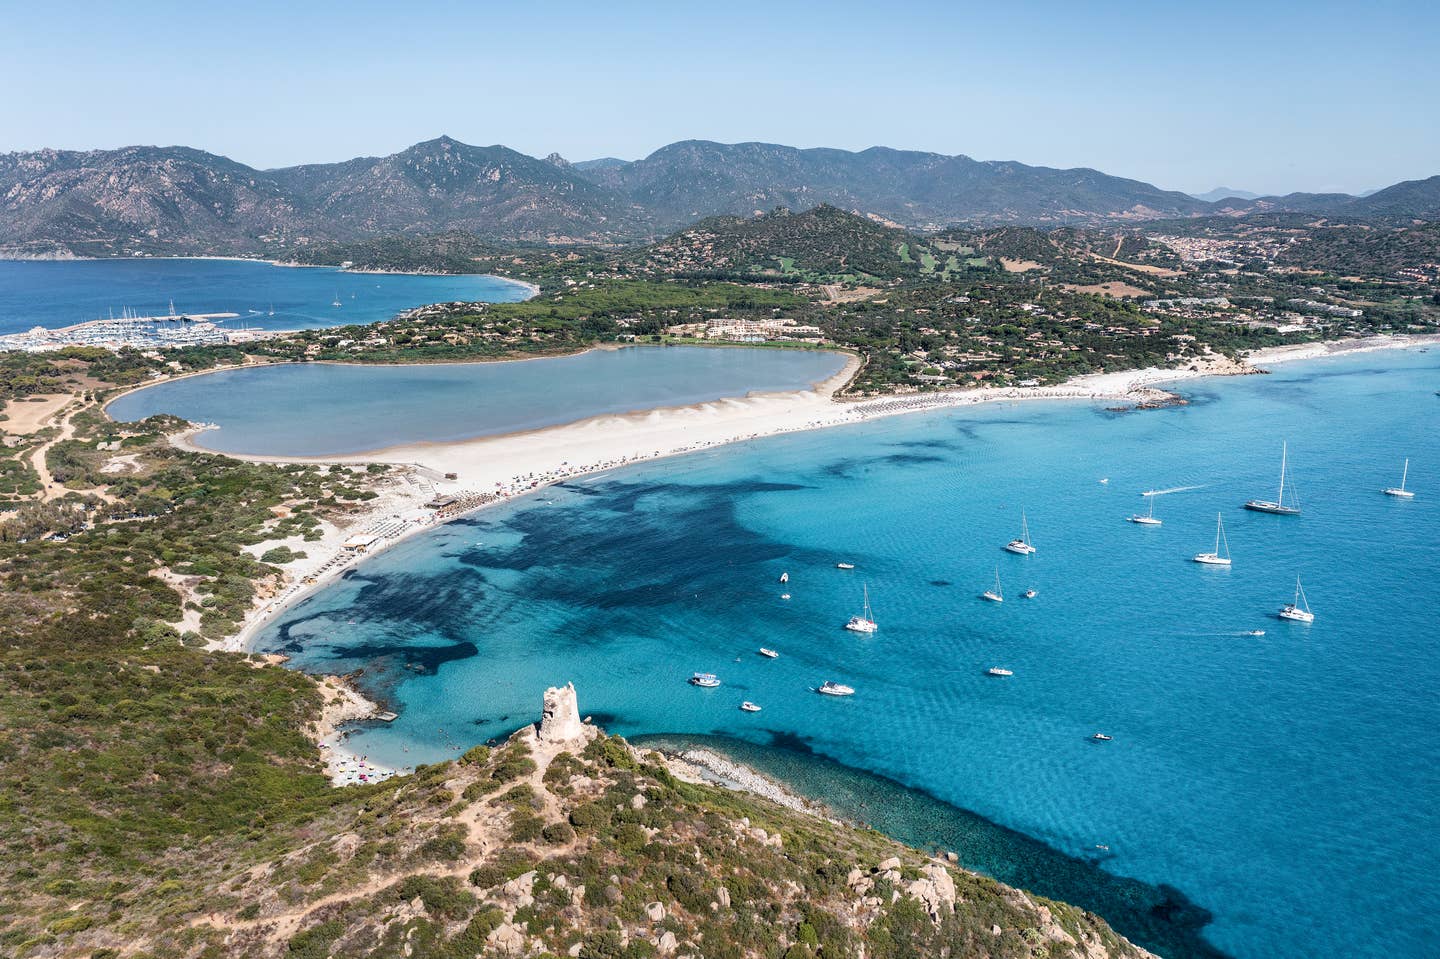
point(558, 832)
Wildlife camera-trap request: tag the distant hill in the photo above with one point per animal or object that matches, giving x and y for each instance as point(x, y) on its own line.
point(169, 200)
point(1225, 192)
point(823, 243)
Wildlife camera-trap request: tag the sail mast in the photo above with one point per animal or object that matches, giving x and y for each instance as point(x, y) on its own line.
point(1280, 499)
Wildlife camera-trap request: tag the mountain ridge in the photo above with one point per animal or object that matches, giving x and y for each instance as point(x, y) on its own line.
point(146, 200)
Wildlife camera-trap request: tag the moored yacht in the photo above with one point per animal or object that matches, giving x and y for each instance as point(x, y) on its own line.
point(1298, 609)
point(1022, 546)
point(1220, 556)
point(769, 653)
point(1400, 490)
point(1102, 738)
point(865, 622)
point(844, 565)
point(705, 680)
point(829, 688)
point(994, 595)
point(749, 707)
point(1148, 518)
point(1279, 506)
point(999, 671)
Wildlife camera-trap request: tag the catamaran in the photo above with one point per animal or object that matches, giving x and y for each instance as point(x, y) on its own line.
point(864, 623)
point(994, 595)
point(1401, 490)
point(1279, 506)
point(1299, 609)
point(1023, 546)
point(1220, 556)
point(1149, 518)
point(829, 688)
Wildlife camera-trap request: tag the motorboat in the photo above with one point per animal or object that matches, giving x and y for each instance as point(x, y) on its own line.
point(749, 707)
point(999, 671)
point(1102, 738)
point(829, 688)
point(705, 680)
point(1030, 594)
point(784, 577)
point(769, 653)
point(844, 565)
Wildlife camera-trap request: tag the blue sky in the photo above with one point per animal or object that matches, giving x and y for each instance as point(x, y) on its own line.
point(1263, 96)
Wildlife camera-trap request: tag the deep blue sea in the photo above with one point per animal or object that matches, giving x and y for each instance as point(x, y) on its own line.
point(326, 409)
point(60, 293)
point(1284, 787)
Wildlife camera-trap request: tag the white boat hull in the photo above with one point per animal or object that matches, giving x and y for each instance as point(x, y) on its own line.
point(1265, 506)
point(1297, 615)
point(992, 597)
point(1020, 549)
point(1145, 521)
point(1211, 559)
point(1402, 493)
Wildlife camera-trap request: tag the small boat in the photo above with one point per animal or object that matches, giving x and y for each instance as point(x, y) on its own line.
point(998, 671)
point(705, 680)
point(784, 595)
point(1148, 519)
point(1029, 594)
point(1105, 481)
point(1400, 490)
point(769, 653)
point(844, 565)
point(336, 301)
point(1299, 609)
point(1022, 546)
point(994, 595)
point(829, 688)
point(1254, 632)
point(1279, 506)
point(865, 622)
point(1217, 557)
point(749, 707)
point(784, 577)
point(1102, 738)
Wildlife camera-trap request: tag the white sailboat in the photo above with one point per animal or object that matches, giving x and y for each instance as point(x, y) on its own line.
point(994, 595)
point(864, 623)
point(1220, 556)
point(1400, 490)
point(1148, 519)
point(1022, 546)
point(336, 301)
point(1279, 506)
point(1299, 609)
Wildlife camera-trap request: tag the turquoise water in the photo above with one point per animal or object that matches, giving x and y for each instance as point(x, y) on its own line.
point(60, 293)
point(327, 409)
point(1288, 784)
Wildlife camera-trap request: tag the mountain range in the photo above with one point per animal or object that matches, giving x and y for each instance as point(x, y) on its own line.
point(169, 200)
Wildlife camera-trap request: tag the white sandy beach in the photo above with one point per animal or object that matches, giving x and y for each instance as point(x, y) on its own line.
point(495, 469)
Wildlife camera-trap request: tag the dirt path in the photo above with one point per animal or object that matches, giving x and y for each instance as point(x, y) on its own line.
point(49, 489)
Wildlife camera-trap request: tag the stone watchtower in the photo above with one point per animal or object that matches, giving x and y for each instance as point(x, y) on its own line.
point(560, 719)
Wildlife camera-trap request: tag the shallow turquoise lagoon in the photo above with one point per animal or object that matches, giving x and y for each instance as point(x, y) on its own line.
point(1287, 784)
point(327, 409)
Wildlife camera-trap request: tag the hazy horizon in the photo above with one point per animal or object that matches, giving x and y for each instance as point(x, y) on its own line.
point(1265, 98)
